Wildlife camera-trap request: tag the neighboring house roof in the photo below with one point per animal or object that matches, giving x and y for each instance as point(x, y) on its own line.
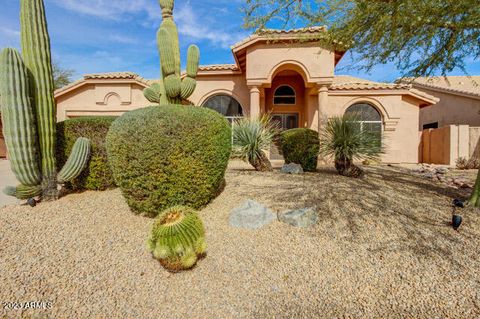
point(114, 76)
point(350, 83)
point(459, 85)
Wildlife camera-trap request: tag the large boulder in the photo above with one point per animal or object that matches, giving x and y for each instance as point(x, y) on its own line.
point(304, 217)
point(251, 215)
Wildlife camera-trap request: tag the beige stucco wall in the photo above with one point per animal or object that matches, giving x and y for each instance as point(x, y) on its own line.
point(230, 84)
point(264, 59)
point(400, 118)
point(451, 109)
point(101, 98)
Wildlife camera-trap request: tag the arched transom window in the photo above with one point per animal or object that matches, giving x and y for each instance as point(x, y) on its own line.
point(225, 105)
point(369, 117)
point(284, 95)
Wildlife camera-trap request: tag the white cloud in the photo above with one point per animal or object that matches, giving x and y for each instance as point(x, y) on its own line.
point(9, 32)
point(111, 9)
point(122, 39)
point(188, 25)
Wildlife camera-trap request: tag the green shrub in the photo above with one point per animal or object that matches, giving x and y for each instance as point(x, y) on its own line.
point(300, 146)
point(177, 238)
point(162, 156)
point(97, 176)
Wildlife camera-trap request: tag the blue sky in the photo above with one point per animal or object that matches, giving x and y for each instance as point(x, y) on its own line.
point(91, 36)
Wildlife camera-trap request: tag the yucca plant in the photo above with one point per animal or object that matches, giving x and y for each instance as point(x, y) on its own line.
point(251, 136)
point(345, 141)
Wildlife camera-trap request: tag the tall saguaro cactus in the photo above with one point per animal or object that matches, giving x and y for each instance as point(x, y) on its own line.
point(28, 112)
point(37, 57)
point(172, 89)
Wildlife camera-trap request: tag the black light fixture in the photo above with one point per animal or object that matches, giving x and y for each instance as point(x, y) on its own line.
point(457, 219)
point(32, 202)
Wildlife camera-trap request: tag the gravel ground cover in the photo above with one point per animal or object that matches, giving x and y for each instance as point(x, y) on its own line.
point(382, 249)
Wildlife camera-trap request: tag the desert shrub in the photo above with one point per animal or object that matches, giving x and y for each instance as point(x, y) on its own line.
point(177, 238)
point(300, 146)
point(163, 156)
point(463, 163)
point(251, 136)
point(343, 139)
point(97, 175)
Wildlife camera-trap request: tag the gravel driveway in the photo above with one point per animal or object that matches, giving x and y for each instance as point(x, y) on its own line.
point(382, 249)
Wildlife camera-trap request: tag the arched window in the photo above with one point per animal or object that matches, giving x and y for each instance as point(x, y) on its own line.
point(284, 95)
point(369, 117)
point(225, 105)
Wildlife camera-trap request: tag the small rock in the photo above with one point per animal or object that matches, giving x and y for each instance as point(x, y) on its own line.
point(292, 168)
point(250, 215)
point(300, 217)
point(441, 170)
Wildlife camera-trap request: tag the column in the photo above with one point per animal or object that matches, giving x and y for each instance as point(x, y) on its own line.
point(322, 104)
point(254, 102)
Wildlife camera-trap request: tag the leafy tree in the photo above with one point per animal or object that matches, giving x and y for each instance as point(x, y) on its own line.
point(421, 38)
point(61, 76)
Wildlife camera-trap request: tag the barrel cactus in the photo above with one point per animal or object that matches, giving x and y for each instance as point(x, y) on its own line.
point(177, 239)
point(172, 89)
point(29, 113)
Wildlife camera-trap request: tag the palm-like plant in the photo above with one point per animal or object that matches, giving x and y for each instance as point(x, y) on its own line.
point(251, 136)
point(345, 141)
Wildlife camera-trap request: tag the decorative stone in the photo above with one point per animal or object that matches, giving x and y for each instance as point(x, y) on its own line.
point(304, 217)
point(292, 168)
point(441, 170)
point(250, 215)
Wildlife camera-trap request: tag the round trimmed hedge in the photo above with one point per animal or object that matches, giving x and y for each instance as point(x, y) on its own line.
point(163, 156)
point(301, 146)
point(97, 175)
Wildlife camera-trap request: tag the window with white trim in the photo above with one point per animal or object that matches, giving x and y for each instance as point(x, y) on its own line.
point(284, 95)
point(225, 105)
point(369, 118)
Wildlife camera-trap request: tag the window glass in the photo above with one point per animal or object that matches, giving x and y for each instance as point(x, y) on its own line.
point(370, 119)
point(225, 105)
point(284, 95)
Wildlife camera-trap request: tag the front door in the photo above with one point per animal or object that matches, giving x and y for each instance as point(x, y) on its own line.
point(285, 122)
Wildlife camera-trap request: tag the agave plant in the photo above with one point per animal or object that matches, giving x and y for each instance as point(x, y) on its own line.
point(345, 141)
point(251, 136)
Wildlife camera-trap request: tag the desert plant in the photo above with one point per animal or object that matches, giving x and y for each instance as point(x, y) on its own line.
point(345, 141)
point(30, 165)
point(172, 89)
point(97, 175)
point(162, 156)
point(251, 137)
point(301, 146)
point(177, 238)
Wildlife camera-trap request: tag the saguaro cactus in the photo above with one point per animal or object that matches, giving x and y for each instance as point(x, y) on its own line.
point(172, 89)
point(29, 113)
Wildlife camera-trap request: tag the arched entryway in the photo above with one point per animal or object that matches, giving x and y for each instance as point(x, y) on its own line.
point(285, 99)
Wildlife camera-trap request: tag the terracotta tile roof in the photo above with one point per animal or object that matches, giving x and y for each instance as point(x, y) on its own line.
point(218, 67)
point(469, 85)
point(104, 76)
point(346, 82)
point(265, 33)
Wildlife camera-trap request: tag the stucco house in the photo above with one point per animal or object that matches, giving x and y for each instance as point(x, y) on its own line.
point(286, 73)
point(459, 101)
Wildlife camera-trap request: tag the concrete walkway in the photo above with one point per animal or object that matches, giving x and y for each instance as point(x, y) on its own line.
point(6, 179)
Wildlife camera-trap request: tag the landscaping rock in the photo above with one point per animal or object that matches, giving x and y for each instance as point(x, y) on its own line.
point(292, 168)
point(441, 170)
point(304, 217)
point(250, 215)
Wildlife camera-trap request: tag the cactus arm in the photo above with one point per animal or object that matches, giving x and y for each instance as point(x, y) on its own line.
point(77, 161)
point(189, 83)
point(18, 118)
point(35, 44)
point(152, 93)
point(23, 191)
